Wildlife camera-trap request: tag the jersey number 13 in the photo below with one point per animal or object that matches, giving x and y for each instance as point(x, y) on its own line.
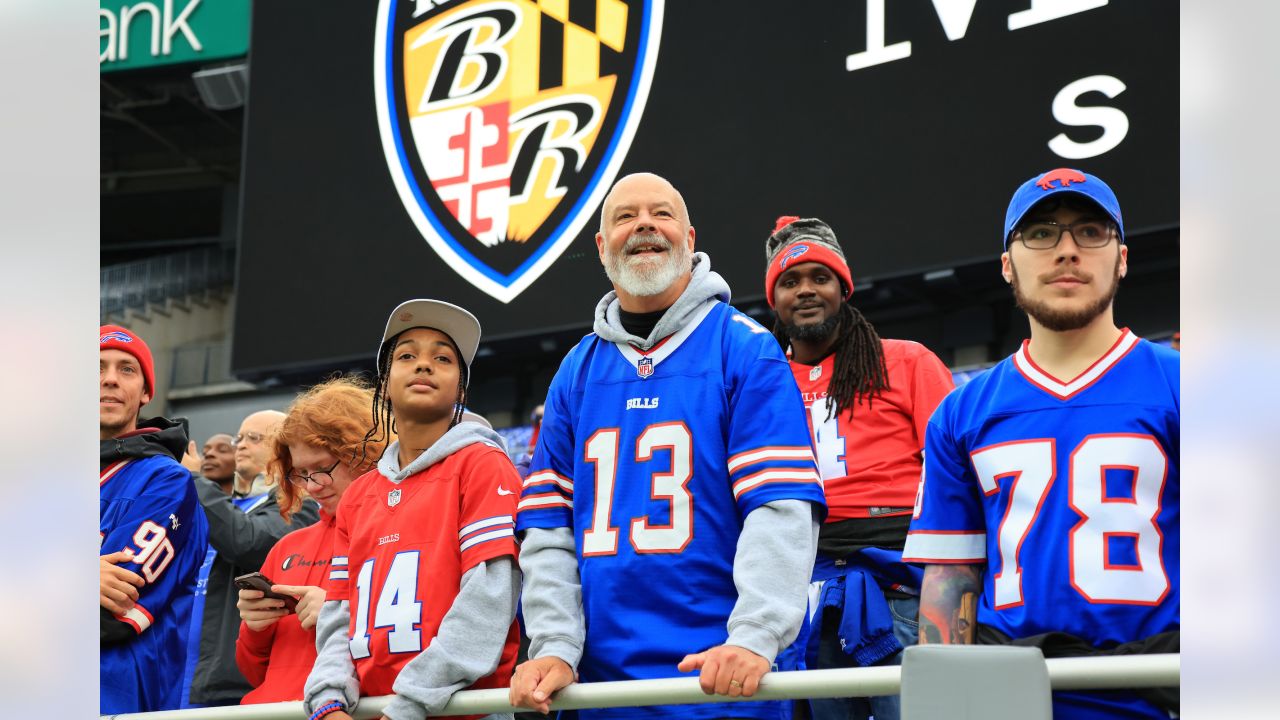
point(672, 486)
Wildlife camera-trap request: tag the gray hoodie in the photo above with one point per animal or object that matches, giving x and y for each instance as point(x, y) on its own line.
point(772, 565)
point(472, 634)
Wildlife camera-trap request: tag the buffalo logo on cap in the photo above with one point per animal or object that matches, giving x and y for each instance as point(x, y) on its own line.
point(1064, 176)
point(117, 336)
point(792, 254)
point(504, 122)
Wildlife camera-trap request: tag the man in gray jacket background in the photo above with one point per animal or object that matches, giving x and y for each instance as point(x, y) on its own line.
point(241, 532)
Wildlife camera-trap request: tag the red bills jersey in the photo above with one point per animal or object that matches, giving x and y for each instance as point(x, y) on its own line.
point(870, 462)
point(401, 550)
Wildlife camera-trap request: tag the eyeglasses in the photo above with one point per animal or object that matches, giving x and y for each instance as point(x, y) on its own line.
point(322, 478)
point(1046, 234)
point(252, 437)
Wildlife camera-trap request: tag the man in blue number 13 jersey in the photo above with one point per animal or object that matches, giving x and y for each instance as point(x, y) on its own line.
point(671, 511)
point(1050, 491)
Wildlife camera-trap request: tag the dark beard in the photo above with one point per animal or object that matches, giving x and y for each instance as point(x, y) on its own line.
point(1060, 320)
point(812, 332)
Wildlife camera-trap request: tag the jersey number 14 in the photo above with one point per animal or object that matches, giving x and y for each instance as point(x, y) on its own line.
point(398, 607)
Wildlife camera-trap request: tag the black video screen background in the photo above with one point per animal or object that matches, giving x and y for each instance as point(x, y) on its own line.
point(751, 114)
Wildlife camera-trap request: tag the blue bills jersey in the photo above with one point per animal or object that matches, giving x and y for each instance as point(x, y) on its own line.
point(1068, 493)
point(149, 506)
point(654, 460)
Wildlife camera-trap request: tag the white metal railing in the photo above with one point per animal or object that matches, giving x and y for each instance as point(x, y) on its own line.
point(1083, 673)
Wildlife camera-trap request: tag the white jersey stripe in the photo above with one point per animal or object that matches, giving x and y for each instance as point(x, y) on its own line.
point(547, 476)
point(108, 472)
point(767, 454)
point(925, 547)
point(1022, 360)
point(138, 617)
point(338, 575)
point(542, 501)
point(485, 537)
point(772, 476)
point(487, 522)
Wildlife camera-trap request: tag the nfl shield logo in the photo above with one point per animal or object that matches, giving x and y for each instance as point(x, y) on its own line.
point(815, 373)
point(504, 122)
point(645, 368)
point(393, 498)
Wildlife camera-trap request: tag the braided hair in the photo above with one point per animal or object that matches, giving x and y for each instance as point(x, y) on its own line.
point(384, 422)
point(860, 370)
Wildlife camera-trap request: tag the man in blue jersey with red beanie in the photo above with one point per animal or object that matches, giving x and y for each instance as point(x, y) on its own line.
point(1048, 513)
point(152, 531)
point(670, 515)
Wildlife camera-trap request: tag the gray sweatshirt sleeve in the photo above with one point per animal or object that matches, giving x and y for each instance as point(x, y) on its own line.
point(468, 645)
point(333, 677)
point(771, 570)
point(552, 599)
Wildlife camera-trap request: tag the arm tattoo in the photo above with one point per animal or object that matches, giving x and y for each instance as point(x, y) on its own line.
point(949, 603)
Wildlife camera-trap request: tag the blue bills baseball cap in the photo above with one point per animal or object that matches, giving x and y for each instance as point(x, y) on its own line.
point(1057, 182)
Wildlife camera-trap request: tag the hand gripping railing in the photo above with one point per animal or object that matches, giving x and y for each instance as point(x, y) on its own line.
point(1084, 673)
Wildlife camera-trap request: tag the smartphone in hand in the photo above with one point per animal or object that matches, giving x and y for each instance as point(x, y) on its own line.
point(258, 581)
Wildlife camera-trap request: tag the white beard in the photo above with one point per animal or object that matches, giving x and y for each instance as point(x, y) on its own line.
point(642, 275)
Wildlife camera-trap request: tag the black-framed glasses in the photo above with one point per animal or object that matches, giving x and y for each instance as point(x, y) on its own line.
point(253, 437)
point(1046, 234)
point(322, 478)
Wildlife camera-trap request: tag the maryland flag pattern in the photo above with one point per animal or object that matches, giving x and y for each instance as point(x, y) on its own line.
point(504, 122)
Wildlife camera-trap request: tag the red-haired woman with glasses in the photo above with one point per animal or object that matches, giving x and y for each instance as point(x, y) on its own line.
point(320, 448)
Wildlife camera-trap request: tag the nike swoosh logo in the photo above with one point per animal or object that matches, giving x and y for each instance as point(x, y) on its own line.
point(502, 491)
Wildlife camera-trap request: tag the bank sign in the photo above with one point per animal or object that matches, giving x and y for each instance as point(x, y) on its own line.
point(504, 122)
point(133, 35)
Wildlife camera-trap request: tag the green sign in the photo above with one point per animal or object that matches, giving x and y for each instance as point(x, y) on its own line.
point(144, 33)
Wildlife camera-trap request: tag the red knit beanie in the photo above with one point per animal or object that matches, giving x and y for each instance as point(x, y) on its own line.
point(114, 337)
point(794, 241)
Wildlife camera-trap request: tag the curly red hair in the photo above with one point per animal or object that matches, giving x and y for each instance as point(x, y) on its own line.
point(334, 416)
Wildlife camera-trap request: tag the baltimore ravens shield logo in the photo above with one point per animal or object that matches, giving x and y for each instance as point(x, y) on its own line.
point(504, 122)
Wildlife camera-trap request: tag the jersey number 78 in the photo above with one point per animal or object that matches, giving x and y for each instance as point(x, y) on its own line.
point(1028, 467)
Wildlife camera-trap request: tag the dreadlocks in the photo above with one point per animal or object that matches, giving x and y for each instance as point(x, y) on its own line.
point(860, 370)
point(384, 422)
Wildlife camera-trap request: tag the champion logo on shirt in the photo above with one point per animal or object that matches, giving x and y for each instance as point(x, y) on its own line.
point(298, 560)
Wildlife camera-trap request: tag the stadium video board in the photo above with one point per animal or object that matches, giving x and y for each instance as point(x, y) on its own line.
point(460, 149)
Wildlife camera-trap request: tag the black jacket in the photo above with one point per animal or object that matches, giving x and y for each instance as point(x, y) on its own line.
point(242, 541)
point(168, 438)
